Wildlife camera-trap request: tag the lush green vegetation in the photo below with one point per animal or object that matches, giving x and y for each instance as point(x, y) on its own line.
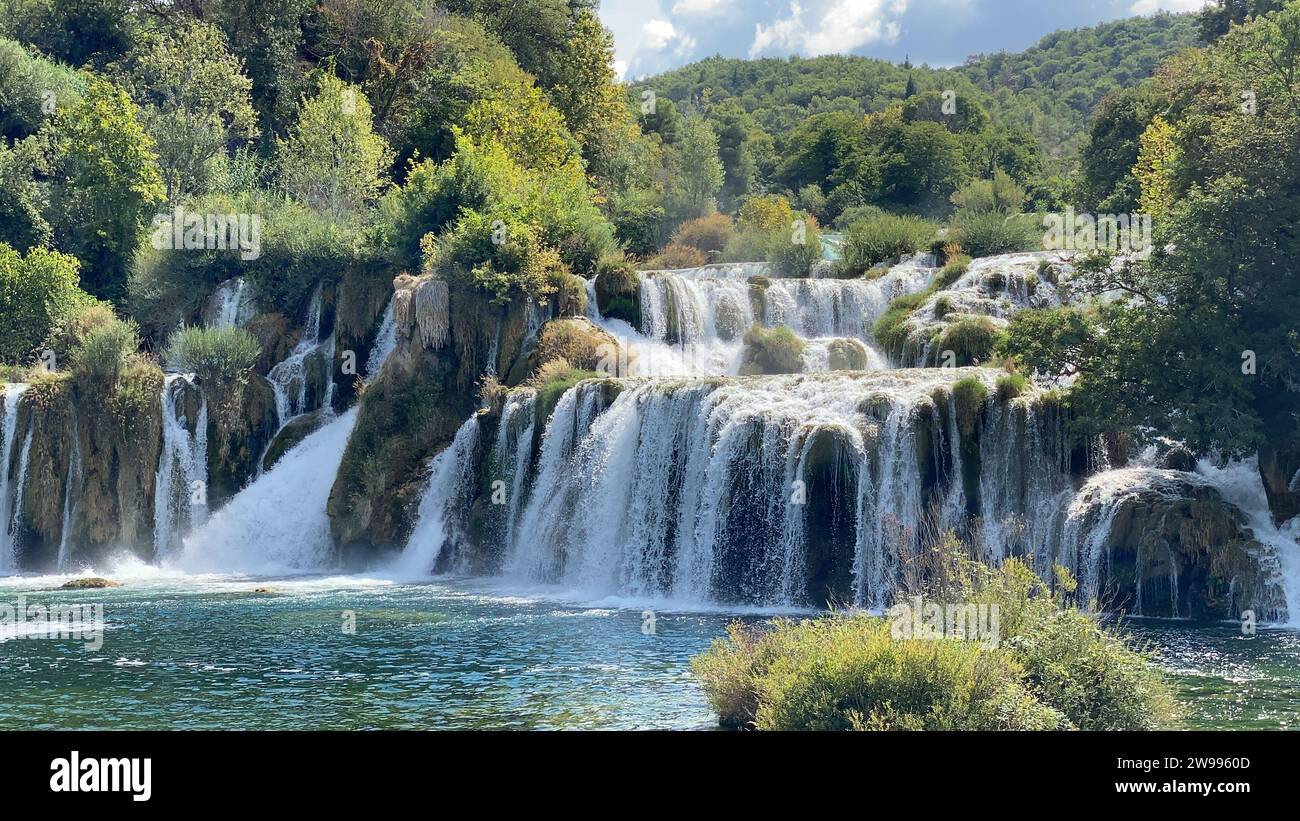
point(1202, 346)
point(214, 354)
point(1049, 666)
point(37, 291)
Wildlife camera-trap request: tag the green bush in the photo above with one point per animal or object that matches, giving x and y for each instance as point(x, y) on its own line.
point(75, 325)
point(972, 339)
point(986, 233)
point(848, 673)
point(772, 351)
point(795, 259)
point(747, 245)
point(551, 381)
point(106, 351)
point(883, 238)
point(1011, 385)
point(890, 331)
point(708, 234)
point(969, 395)
point(618, 291)
point(951, 272)
point(22, 199)
point(214, 354)
point(36, 293)
point(1051, 666)
point(25, 78)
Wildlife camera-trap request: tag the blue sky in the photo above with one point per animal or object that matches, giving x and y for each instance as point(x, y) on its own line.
point(651, 36)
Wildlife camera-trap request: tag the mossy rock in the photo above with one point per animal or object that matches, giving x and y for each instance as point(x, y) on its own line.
point(1178, 458)
point(277, 339)
point(89, 583)
point(242, 421)
point(972, 339)
point(1192, 555)
point(847, 355)
point(771, 351)
point(576, 340)
point(291, 435)
point(120, 433)
point(618, 293)
point(730, 319)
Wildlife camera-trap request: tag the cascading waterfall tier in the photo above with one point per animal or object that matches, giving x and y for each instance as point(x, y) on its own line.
point(11, 481)
point(277, 524)
point(682, 308)
point(781, 491)
point(231, 304)
point(291, 378)
point(180, 487)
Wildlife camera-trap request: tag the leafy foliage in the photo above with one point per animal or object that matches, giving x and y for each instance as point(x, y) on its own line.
point(36, 292)
point(214, 354)
point(1054, 667)
point(105, 184)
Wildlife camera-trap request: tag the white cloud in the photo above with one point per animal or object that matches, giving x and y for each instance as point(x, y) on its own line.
point(842, 27)
point(1153, 6)
point(658, 34)
point(699, 7)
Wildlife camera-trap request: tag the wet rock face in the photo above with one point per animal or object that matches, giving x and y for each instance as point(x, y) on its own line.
point(241, 424)
point(576, 340)
point(1184, 555)
point(1280, 472)
point(414, 408)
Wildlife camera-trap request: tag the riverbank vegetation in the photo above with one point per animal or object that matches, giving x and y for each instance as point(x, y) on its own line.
point(1049, 666)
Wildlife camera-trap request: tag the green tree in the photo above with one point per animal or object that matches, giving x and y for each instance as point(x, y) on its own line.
point(1157, 155)
point(36, 291)
point(22, 201)
point(332, 159)
point(702, 173)
point(195, 101)
point(104, 184)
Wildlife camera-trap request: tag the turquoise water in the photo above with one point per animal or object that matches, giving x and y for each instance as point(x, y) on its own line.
point(199, 652)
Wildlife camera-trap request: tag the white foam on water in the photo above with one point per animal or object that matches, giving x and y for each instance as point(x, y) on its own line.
point(277, 524)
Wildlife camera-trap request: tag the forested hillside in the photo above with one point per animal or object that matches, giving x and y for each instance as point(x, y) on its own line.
point(1049, 90)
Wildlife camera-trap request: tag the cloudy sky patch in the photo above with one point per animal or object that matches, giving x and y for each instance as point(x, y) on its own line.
point(652, 36)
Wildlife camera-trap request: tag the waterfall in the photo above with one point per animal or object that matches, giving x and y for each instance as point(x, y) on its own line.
point(693, 489)
point(513, 454)
point(450, 476)
point(278, 523)
point(75, 473)
point(10, 511)
point(180, 484)
point(15, 524)
point(289, 378)
point(231, 304)
point(709, 309)
point(385, 343)
point(593, 304)
point(1239, 483)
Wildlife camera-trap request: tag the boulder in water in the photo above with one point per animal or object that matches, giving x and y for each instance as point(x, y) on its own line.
point(89, 583)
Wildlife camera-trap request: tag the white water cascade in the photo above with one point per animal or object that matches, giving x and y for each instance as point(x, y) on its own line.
point(289, 378)
point(11, 486)
point(709, 309)
point(277, 524)
point(450, 477)
point(70, 485)
point(232, 304)
point(180, 484)
point(385, 343)
point(688, 488)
